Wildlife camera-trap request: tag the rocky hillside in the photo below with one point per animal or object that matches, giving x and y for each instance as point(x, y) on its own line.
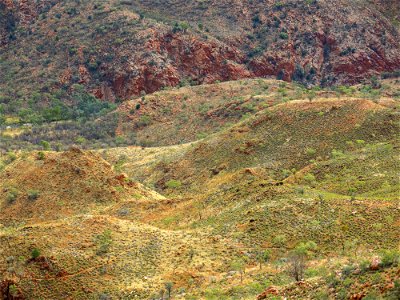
point(20, 14)
point(118, 49)
point(288, 195)
point(49, 186)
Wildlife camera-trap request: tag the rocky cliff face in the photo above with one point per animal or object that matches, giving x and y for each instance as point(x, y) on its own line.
point(119, 49)
point(175, 58)
point(332, 42)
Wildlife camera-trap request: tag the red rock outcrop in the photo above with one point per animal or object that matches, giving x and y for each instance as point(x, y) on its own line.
point(269, 291)
point(317, 42)
point(179, 57)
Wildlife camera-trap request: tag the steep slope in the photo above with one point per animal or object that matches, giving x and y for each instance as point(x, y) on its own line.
point(189, 113)
point(301, 40)
point(118, 49)
point(285, 136)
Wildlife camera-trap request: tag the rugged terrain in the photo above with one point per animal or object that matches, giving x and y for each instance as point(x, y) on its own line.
point(273, 174)
point(201, 149)
point(119, 49)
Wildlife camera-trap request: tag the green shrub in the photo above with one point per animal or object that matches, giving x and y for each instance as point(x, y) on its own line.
point(239, 265)
point(13, 290)
point(311, 272)
point(309, 178)
point(144, 121)
point(41, 155)
point(347, 282)
point(263, 256)
point(283, 35)
point(103, 241)
point(33, 195)
point(45, 145)
point(279, 240)
point(310, 151)
point(364, 266)
point(394, 293)
point(332, 280)
point(342, 294)
point(173, 184)
point(35, 253)
point(168, 287)
point(322, 295)
point(347, 270)
point(306, 249)
point(286, 173)
point(390, 258)
point(12, 195)
point(120, 140)
point(80, 140)
point(360, 142)
point(11, 156)
point(337, 153)
point(372, 296)
point(183, 26)
point(214, 293)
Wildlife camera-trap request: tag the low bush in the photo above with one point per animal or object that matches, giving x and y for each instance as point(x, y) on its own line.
point(173, 184)
point(33, 195)
point(35, 253)
point(390, 258)
point(12, 196)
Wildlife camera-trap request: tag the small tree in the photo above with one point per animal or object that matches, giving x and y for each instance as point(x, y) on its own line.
point(311, 95)
point(162, 292)
point(191, 254)
point(262, 256)
point(342, 234)
point(352, 246)
point(184, 26)
point(239, 266)
point(297, 265)
point(200, 206)
point(15, 268)
point(298, 258)
point(168, 287)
